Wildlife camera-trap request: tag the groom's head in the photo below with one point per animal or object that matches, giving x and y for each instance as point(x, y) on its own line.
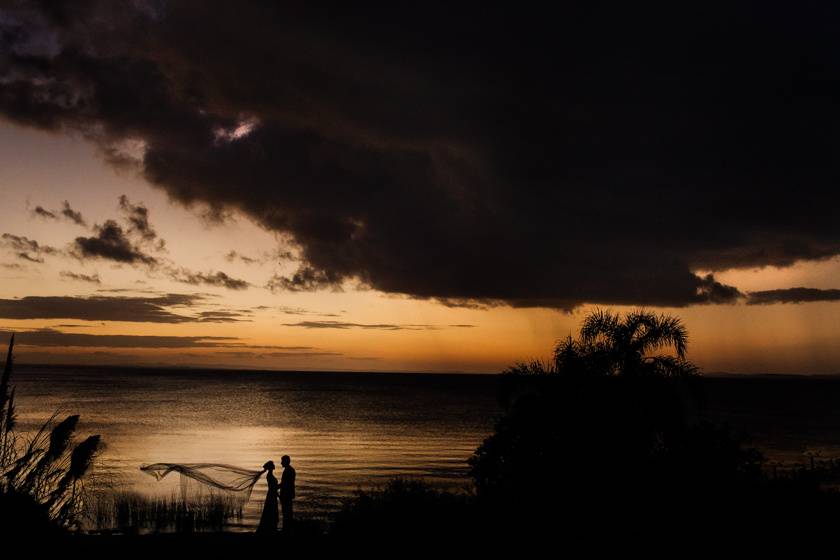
point(285, 460)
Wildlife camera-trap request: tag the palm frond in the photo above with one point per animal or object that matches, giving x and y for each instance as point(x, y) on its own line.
point(534, 367)
point(669, 366)
point(653, 332)
point(599, 324)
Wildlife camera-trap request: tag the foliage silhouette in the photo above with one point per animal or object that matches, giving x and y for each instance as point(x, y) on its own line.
point(403, 507)
point(42, 480)
point(608, 426)
point(610, 344)
point(130, 512)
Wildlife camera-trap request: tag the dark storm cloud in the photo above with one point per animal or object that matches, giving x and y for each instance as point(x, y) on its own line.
point(792, 295)
point(111, 243)
point(152, 309)
point(90, 278)
point(27, 249)
point(602, 152)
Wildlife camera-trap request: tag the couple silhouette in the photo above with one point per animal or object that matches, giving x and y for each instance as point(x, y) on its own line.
point(282, 492)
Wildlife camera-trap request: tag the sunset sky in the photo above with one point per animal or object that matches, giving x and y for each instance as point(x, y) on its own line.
point(270, 188)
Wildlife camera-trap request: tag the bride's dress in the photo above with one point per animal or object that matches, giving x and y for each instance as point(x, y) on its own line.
point(271, 513)
point(221, 477)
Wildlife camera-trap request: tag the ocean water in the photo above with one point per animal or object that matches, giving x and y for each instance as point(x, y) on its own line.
point(346, 431)
point(790, 419)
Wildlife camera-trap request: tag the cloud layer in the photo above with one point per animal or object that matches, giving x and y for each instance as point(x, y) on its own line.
point(56, 338)
point(111, 242)
point(66, 211)
point(792, 295)
point(600, 154)
point(166, 308)
point(342, 325)
point(26, 249)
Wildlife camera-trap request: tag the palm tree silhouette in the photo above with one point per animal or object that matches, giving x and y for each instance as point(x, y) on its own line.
point(612, 344)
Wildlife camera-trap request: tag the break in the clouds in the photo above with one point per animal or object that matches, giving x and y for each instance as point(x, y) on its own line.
point(469, 155)
point(793, 295)
point(165, 308)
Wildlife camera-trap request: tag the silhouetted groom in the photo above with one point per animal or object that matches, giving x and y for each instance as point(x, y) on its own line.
point(287, 491)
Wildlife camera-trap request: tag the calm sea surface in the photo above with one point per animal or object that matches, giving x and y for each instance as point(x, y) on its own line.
point(347, 431)
point(344, 431)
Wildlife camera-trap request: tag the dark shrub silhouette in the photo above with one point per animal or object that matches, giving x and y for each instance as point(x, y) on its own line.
point(608, 427)
point(403, 507)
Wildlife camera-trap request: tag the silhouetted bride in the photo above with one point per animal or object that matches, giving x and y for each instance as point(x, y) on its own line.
point(270, 513)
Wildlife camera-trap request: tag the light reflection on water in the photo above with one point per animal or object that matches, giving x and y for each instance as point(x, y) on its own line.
point(343, 431)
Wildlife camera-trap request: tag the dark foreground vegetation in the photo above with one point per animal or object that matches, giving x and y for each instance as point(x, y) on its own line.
point(608, 438)
point(42, 490)
point(605, 444)
point(134, 513)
